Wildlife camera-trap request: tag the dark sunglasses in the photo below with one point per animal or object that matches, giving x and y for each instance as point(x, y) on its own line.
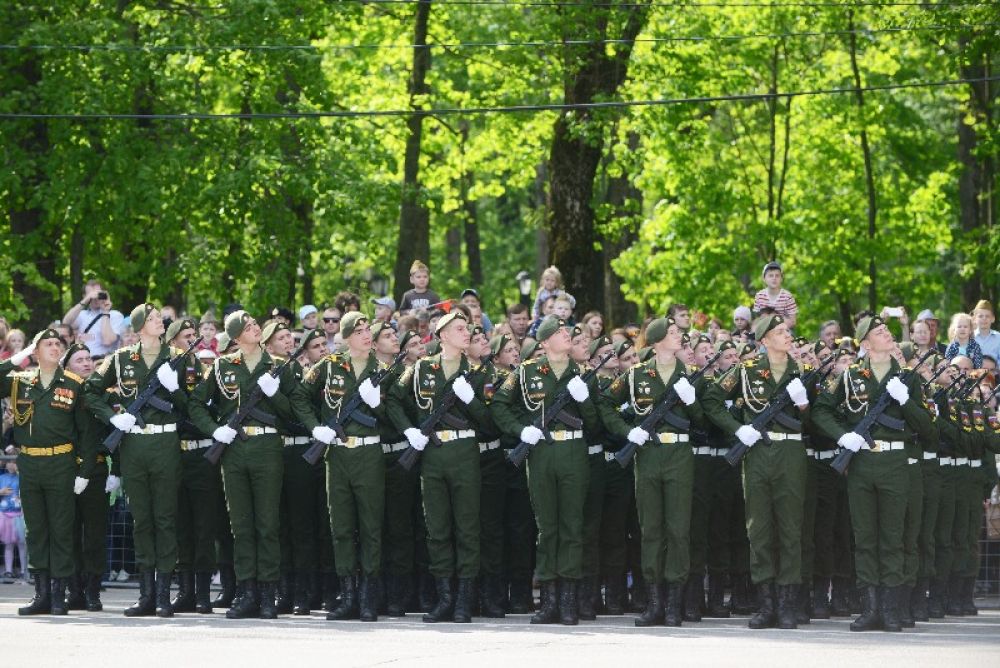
point(331, 319)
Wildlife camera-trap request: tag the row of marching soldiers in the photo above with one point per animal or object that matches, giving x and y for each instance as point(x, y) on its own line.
point(630, 468)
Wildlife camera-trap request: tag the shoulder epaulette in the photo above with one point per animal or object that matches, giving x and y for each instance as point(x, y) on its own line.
point(691, 368)
point(175, 351)
point(533, 360)
point(72, 376)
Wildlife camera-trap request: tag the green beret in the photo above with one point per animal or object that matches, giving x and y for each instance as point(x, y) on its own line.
point(723, 346)
point(498, 343)
point(576, 331)
point(433, 347)
point(747, 349)
point(270, 329)
point(311, 335)
point(236, 322)
point(646, 354)
point(764, 324)
point(842, 352)
point(405, 338)
point(528, 349)
point(350, 321)
point(597, 344)
point(819, 346)
point(800, 341)
point(622, 347)
point(138, 316)
point(477, 329)
point(379, 327)
point(550, 325)
point(702, 338)
point(46, 334)
point(72, 350)
point(178, 326)
point(656, 330)
point(866, 326)
point(444, 321)
point(685, 340)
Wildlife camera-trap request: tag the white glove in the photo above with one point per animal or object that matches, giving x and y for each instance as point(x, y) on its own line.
point(898, 390)
point(168, 378)
point(224, 434)
point(797, 391)
point(748, 435)
point(416, 438)
point(113, 483)
point(324, 434)
point(369, 393)
point(638, 435)
point(851, 441)
point(684, 390)
point(79, 485)
point(463, 390)
point(9, 449)
point(268, 384)
point(578, 389)
point(531, 434)
point(18, 358)
point(123, 421)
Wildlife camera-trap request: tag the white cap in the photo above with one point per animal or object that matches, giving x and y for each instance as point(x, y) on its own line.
point(926, 314)
point(743, 312)
point(307, 311)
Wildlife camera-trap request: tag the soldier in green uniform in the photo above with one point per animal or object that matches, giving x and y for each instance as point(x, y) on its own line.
point(619, 490)
point(224, 536)
point(150, 451)
point(91, 525)
point(449, 473)
point(492, 482)
point(197, 494)
point(878, 479)
point(774, 475)
point(558, 471)
point(664, 467)
point(355, 468)
point(251, 468)
point(47, 406)
point(401, 486)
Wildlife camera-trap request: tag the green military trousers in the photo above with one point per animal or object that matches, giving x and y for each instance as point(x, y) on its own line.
point(558, 479)
point(49, 511)
point(664, 479)
point(491, 510)
point(355, 489)
point(90, 532)
point(913, 523)
point(930, 471)
point(151, 469)
point(252, 474)
point(449, 481)
point(399, 528)
point(878, 488)
point(197, 512)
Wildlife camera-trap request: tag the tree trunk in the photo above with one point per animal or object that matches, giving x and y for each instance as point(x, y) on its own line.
point(627, 202)
point(869, 173)
point(414, 219)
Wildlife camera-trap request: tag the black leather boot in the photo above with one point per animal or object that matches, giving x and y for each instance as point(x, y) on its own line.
point(184, 601)
point(765, 617)
point(870, 619)
point(548, 604)
point(673, 602)
point(92, 593)
point(316, 584)
point(444, 609)
point(637, 594)
point(74, 592)
point(903, 607)
point(614, 595)
point(653, 614)
point(569, 611)
point(303, 594)
point(840, 604)
point(227, 578)
point(285, 591)
point(248, 603)
point(969, 597)
point(953, 597)
point(803, 604)
point(58, 595)
point(464, 600)
point(694, 598)
point(918, 601)
point(586, 596)
point(890, 612)
point(935, 599)
point(146, 605)
point(521, 596)
point(268, 600)
point(331, 591)
point(821, 598)
point(367, 597)
point(742, 601)
point(788, 606)
point(203, 593)
point(41, 602)
point(398, 592)
point(348, 606)
point(489, 597)
point(716, 597)
point(426, 592)
point(163, 607)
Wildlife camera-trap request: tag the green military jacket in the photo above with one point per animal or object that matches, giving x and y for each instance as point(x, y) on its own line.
point(641, 388)
point(387, 429)
point(846, 398)
point(329, 384)
point(192, 372)
point(46, 416)
point(125, 373)
point(419, 389)
point(528, 391)
point(750, 386)
point(227, 382)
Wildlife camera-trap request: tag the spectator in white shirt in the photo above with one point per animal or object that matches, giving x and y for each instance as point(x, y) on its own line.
point(96, 324)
